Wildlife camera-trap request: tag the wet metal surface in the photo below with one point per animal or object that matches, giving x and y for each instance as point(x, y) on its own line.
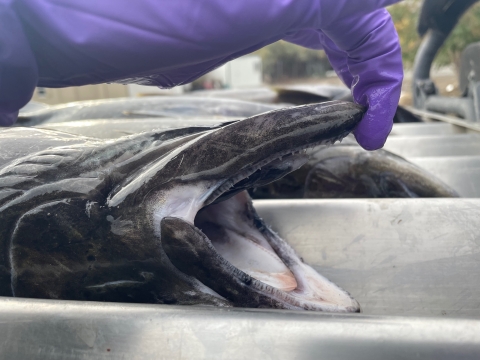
point(128, 108)
point(422, 129)
point(460, 172)
point(115, 128)
point(441, 145)
point(75, 330)
point(395, 256)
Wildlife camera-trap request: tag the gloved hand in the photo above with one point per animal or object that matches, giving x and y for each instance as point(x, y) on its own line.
point(365, 52)
point(167, 43)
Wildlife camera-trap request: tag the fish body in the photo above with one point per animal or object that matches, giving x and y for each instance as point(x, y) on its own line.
point(348, 171)
point(306, 94)
point(162, 216)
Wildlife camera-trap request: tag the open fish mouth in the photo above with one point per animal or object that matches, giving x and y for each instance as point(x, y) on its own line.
point(220, 239)
point(164, 216)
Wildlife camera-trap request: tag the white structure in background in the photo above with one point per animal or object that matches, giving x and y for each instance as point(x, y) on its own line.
point(141, 90)
point(242, 72)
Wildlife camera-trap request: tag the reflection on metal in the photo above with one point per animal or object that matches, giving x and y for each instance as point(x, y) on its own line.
point(395, 256)
point(32, 106)
point(73, 330)
point(462, 173)
point(426, 128)
point(115, 128)
point(445, 118)
point(185, 106)
point(259, 94)
point(444, 145)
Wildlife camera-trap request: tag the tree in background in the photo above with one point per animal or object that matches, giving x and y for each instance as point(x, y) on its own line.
point(283, 61)
point(405, 17)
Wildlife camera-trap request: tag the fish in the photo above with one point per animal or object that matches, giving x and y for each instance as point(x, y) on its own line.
point(179, 107)
point(348, 171)
point(163, 216)
point(306, 94)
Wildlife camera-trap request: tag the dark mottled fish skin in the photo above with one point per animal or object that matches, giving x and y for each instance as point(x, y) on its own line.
point(114, 220)
point(130, 108)
point(348, 171)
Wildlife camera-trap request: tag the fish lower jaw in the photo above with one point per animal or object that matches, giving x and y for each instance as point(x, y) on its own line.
point(315, 291)
point(276, 271)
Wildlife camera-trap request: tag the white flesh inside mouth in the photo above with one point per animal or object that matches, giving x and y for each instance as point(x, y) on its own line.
point(238, 241)
point(235, 238)
point(232, 231)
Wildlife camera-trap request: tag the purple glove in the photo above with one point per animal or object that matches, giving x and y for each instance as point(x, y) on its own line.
point(365, 52)
point(167, 43)
point(18, 72)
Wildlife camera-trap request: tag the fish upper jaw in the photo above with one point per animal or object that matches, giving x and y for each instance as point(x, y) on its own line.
point(184, 195)
point(234, 151)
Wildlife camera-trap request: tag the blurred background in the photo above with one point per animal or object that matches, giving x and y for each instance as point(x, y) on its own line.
point(283, 63)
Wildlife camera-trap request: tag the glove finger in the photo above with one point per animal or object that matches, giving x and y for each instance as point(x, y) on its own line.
point(373, 57)
point(373, 130)
point(338, 59)
point(7, 119)
point(18, 69)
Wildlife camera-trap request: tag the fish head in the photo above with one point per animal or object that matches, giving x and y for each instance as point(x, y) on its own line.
point(194, 203)
point(173, 223)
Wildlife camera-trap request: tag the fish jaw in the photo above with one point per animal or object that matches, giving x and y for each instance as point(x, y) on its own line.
point(180, 195)
point(233, 252)
point(234, 152)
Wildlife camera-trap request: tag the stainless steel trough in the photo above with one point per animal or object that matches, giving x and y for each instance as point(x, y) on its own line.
point(70, 330)
point(413, 264)
point(422, 129)
point(440, 145)
point(396, 256)
point(460, 172)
